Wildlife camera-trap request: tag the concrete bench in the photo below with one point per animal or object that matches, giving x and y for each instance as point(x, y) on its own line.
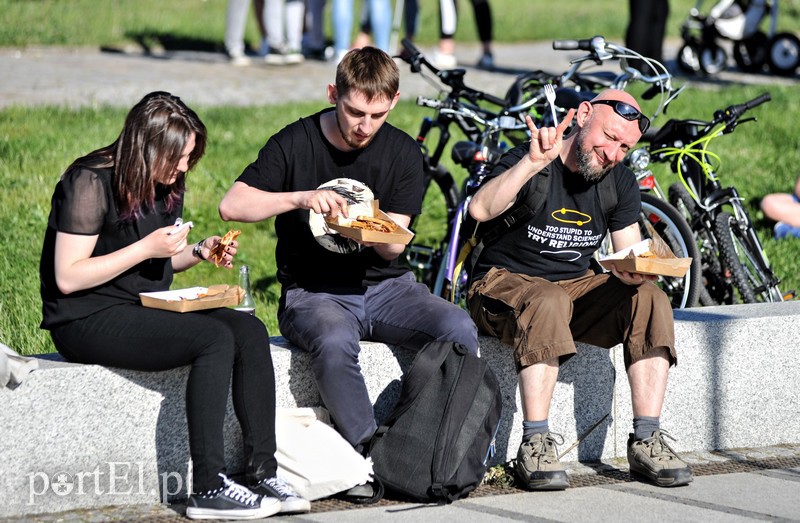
point(74, 436)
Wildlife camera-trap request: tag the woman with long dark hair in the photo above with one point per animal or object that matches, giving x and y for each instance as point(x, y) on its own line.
point(111, 234)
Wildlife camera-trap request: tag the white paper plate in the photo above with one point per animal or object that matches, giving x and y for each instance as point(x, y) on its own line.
point(358, 196)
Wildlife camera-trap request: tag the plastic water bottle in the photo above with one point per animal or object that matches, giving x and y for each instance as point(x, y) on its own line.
point(247, 304)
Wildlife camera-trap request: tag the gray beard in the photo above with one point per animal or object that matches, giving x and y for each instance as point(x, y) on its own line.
point(585, 169)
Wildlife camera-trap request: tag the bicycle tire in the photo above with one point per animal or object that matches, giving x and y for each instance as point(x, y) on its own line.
point(443, 182)
point(672, 227)
point(679, 197)
point(743, 260)
point(714, 287)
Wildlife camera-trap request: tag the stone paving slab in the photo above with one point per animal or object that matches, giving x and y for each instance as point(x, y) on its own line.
point(733, 485)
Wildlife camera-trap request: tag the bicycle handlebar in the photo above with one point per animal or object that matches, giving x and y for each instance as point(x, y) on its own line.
point(584, 44)
point(453, 78)
point(733, 112)
point(678, 133)
point(600, 51)
point(503, 122)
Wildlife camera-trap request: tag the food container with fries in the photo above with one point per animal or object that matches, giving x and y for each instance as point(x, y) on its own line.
point(376, 227)
point(194, 298)
point(648, 257)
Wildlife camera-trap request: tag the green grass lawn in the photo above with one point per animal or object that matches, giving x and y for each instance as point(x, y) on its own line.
point(36, 144)
point(200, 24)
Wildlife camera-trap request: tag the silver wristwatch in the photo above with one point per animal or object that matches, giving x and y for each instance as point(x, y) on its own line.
point(197, 251)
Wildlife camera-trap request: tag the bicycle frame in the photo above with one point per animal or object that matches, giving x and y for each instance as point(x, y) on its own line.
point(732, 254)
point(482, 128)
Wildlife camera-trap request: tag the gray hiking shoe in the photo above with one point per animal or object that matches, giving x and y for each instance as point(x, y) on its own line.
point(537, 463)
point(654, 460)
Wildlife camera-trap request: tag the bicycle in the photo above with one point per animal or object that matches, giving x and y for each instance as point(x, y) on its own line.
point(581, 82)
point(483, 146)
point(734, 265)
point(659, 215)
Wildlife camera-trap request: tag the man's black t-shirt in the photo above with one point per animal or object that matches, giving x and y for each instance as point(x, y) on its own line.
point(558, 242)
point(300, 158)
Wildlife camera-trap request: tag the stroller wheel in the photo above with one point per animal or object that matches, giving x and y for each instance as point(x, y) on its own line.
point(689, 58)
point(713, 59)
point(750, 54)
point(784, 54)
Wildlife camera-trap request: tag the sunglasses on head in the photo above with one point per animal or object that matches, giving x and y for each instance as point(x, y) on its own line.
point(626, 111)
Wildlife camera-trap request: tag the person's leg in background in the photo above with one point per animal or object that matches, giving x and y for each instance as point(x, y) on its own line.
point(364, 36)
point(342, 15)
point(646, 27)
point(444, 57)
point(258, 12)
point(235, 20)
point(411, 18)
point(485, 25)
point(380, 18)
point(315, 45)
point(275, 20)
point(295, 12)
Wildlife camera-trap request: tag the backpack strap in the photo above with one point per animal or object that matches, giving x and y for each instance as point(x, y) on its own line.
point(472, 248)
point(607, 192)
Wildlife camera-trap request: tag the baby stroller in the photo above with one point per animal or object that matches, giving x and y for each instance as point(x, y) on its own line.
point(737, 21)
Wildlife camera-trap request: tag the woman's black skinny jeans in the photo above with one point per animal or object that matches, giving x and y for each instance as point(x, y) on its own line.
point(226, 349)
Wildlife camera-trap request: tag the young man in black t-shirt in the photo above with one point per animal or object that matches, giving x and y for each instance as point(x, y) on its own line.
point(535, 290)
point(336, 292)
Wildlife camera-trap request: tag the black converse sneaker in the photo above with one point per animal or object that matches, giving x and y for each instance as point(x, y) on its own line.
point(231, 501)
point(291, 502)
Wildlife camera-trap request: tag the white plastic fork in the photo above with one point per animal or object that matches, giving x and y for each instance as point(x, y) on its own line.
point(550, 94)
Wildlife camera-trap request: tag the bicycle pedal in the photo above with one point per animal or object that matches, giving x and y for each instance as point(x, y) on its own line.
point(420, 257)
point(790, 295)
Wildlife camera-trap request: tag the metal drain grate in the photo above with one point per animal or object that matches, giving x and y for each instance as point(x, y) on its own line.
point(602, 474)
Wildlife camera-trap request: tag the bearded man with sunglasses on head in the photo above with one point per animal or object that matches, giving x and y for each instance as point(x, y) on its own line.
point(533, 287)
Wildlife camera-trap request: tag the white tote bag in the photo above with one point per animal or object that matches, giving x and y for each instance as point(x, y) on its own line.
point(313, 458)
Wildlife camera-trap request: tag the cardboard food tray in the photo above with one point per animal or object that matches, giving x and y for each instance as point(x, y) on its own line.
point(193, 298)
point(401, 235)
point(630, 261)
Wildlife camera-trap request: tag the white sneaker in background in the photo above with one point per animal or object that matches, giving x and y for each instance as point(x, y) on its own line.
point(238, 59)
point(275, 57)
point(444, 60)
point(293, 57)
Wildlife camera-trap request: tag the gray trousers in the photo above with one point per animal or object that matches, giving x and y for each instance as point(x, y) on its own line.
point(398, 311)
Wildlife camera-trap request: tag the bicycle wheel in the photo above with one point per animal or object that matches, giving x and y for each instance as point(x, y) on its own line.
point(745, 262)
point(784, 54)
point(688, 58)
point(750, 54)
point(673, 229)
point(441, 201)
point(715, 289)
